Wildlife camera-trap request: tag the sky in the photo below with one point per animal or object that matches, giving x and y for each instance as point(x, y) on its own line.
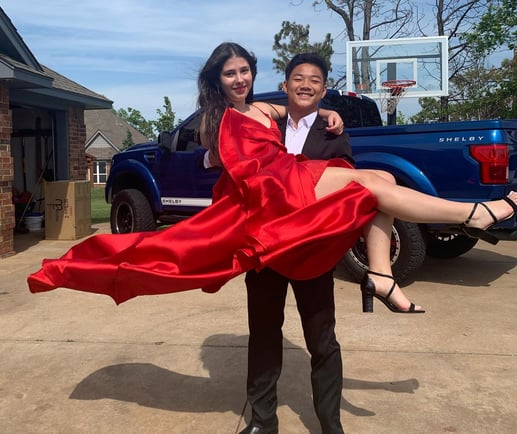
point(137, 52)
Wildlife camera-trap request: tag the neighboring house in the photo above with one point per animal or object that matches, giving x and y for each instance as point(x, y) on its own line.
point(106, 134)
point(42, 130)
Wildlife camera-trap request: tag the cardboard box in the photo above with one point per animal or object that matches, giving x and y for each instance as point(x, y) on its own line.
point(67, 210)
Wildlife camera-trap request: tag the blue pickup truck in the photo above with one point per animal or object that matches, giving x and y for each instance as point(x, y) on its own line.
point(158, 183)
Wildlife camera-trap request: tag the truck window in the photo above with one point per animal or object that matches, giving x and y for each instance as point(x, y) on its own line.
point(355, 111)
point(188, 135)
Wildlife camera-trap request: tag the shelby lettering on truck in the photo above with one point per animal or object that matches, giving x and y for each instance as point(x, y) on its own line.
point(157, 183)
point(185, 201)
point(460, 139)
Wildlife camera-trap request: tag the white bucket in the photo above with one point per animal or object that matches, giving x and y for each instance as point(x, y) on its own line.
point(33, 221)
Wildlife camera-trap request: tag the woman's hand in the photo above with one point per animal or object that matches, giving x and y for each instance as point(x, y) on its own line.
point(335, 123)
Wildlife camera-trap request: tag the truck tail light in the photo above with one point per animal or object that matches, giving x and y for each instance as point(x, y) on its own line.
point(493, 163)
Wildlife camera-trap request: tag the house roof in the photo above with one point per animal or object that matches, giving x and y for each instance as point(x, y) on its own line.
point(13, 45)
point(112, 127)
point(100, 148)
point(33, 83)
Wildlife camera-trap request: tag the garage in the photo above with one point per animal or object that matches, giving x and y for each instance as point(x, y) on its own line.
point(42, 131)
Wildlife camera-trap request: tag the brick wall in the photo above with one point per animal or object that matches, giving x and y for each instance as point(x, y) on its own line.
point(7, 219)
point(76, 141)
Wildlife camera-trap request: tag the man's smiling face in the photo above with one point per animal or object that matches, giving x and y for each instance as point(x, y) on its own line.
point(305, 87)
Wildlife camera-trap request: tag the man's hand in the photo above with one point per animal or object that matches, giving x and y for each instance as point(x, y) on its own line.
point(210, 160)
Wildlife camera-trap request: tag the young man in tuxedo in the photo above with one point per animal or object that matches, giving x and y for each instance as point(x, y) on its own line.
point(303, 132)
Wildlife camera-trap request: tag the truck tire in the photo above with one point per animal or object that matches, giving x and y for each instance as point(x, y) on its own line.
point(131, 212)
point(445, 246)
point(408, 249)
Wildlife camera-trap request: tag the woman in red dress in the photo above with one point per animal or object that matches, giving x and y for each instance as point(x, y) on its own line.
point(270, 208)
point(227, 78)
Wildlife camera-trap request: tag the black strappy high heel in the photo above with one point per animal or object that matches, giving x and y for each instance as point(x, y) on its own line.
point(368, 292)
point(482, 233)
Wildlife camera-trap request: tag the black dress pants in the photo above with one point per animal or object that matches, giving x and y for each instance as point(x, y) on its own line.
point(315, 301)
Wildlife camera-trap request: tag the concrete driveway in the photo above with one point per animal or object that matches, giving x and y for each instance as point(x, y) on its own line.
point(76, 363)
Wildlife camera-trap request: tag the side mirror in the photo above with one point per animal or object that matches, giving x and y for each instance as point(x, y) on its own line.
point(165, 140)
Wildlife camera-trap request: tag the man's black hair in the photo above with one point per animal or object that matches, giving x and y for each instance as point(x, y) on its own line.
point(311, 58)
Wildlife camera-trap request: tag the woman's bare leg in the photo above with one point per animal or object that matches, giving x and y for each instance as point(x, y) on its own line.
point(410, 205)
point(404, 204)
point(377, 236)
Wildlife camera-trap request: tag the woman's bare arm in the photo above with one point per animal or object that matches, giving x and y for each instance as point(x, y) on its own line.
point(274, 110)
point(335, 123)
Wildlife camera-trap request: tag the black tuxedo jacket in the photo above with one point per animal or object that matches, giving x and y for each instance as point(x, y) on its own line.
point(320, 144)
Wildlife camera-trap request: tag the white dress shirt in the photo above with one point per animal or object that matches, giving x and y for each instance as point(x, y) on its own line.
point(295, 137)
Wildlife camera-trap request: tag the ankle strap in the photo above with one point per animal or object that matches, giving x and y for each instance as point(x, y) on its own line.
point(379, 274)
point(389, 277)
point(511, 203)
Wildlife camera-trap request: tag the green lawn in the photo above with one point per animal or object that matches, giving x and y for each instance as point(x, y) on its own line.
point(100, 209)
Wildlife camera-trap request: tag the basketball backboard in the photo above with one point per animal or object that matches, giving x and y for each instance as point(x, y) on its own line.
point(371, 63)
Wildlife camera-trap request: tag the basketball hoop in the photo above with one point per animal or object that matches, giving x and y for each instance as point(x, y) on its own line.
point(390, 93)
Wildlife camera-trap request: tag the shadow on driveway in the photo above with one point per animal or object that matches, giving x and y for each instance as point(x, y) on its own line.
point(223, 389)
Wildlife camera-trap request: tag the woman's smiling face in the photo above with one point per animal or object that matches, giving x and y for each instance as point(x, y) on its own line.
point(236, 80)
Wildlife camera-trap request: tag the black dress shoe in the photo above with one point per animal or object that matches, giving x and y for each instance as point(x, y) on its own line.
point(253, 429)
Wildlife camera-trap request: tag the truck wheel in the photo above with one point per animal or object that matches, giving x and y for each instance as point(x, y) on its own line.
point(131, 212)
point(445, 246)
point(407, 253)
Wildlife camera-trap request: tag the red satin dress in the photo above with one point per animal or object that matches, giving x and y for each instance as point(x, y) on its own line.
point(265, 213)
